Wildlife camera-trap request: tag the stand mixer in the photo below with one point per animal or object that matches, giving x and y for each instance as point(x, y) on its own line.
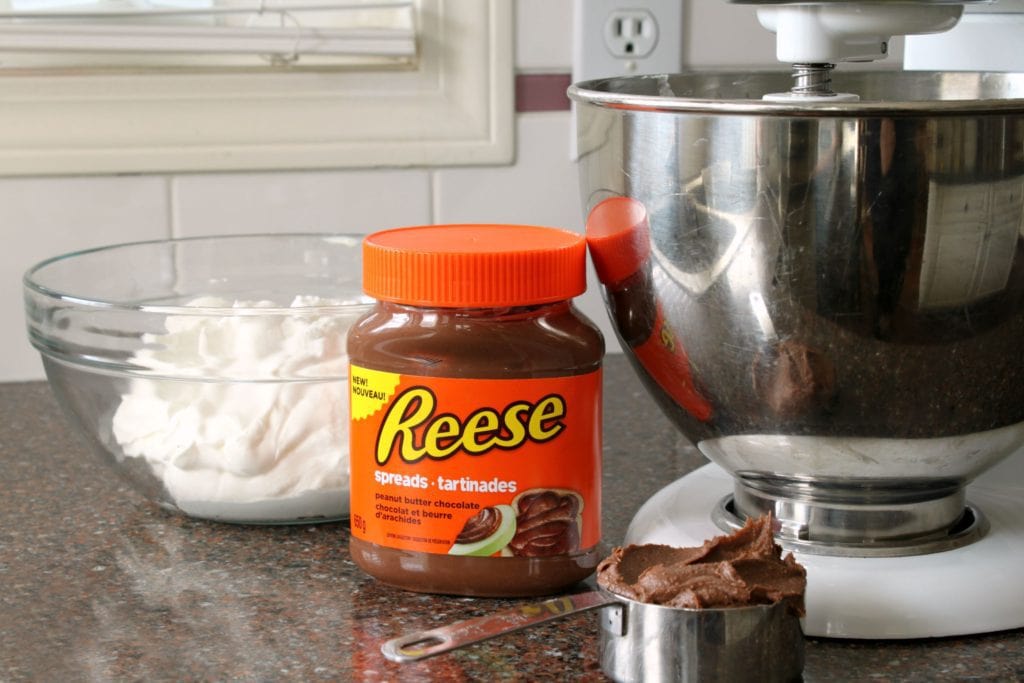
point(819, 275)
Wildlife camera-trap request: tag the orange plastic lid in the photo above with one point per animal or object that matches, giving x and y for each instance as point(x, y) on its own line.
point(618, 235)
point(474, 266)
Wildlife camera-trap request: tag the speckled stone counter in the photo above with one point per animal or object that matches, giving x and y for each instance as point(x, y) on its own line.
point(99, 585)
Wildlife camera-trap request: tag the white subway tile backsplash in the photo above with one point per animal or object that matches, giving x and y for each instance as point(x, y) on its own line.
point(308, 201)
point(544, 35)
point(45, 217)
point(724, 34)
point(540, 189)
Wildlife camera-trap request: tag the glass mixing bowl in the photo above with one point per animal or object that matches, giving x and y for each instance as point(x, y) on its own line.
point(210, 372)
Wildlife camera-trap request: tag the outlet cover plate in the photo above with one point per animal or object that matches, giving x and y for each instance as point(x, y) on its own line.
point(626, 37)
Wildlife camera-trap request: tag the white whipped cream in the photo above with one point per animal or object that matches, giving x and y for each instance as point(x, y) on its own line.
point(238, 450)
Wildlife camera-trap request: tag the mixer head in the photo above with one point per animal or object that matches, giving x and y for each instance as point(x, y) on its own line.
point(814, 36)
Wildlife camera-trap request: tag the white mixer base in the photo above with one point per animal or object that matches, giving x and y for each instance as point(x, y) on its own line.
point(973, 589)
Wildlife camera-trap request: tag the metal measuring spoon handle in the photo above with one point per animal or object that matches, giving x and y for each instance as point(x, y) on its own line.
point(422, 644)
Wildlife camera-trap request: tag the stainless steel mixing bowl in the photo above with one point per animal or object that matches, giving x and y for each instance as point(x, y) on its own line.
point(826, 296)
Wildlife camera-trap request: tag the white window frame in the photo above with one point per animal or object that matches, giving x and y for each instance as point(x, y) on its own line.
point(455, 108)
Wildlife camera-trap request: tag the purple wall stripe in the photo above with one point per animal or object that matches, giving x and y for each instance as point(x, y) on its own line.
point(542, 92)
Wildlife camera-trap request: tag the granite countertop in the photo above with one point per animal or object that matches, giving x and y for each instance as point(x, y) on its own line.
point(100, 585)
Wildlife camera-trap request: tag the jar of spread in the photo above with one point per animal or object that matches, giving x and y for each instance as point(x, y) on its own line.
point(475, 412)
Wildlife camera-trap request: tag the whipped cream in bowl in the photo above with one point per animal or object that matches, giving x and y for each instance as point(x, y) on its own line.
point(248, 448)
point(211, 372)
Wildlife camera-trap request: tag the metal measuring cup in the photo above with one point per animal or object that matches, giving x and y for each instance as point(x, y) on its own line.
point(645, 642)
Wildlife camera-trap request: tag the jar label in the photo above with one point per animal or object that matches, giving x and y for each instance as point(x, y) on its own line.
point(476, 467)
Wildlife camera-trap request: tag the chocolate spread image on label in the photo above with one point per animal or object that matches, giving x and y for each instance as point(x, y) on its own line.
point(547, 523)
point(538, 523)
point(736, 570)
point(480, 526)
point(486, 533)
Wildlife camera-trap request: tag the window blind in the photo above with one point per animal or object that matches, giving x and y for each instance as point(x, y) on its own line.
point(284, 30)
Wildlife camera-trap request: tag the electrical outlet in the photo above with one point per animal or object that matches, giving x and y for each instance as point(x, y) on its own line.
point(630, 34)
point(626, 37)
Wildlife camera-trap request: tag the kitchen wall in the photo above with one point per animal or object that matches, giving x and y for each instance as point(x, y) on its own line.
point(43, 217)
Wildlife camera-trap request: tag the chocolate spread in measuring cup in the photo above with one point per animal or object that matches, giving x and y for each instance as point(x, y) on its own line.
point(736, 570)
point(476, 411)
